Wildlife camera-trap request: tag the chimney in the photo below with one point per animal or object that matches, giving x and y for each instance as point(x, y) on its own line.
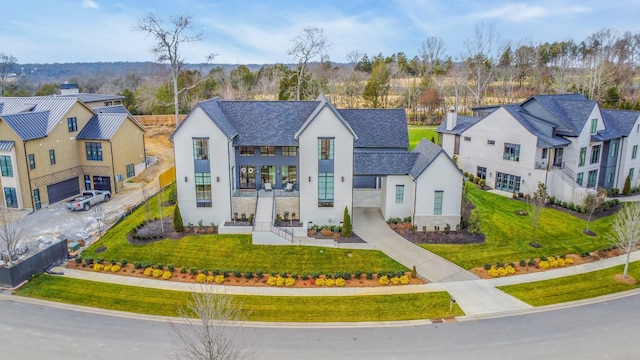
point(452, 119)
point(69, 88)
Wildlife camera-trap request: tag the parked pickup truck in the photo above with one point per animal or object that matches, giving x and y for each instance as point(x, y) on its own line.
point(88, 199)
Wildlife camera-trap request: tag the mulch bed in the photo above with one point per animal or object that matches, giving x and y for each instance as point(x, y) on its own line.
point(440, 237)
point(154, 230)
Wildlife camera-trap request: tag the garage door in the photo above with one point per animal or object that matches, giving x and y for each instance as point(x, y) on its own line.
point(102, 183)
point(62, 190)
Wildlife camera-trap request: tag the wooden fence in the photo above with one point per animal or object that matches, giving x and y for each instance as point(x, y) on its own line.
point(167, 120)
point(167, 177)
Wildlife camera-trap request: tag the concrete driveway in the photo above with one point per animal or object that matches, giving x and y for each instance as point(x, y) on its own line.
point(369, 224)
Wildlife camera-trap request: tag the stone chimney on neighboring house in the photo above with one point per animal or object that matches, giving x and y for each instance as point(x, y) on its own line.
point(452, 119)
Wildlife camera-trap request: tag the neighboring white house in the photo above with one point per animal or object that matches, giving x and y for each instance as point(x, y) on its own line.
point(564, 141)
point(307, 158)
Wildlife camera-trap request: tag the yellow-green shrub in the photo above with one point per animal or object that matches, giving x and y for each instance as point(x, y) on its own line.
point(289, 282)
point(561, 262)
point(383, 280)
point(543, 264)
point(271, 281)
point(510, 269)
point(404, 279)
point(219, 279)
point(279, 281)
point(115, 268)
point(320, 282)
point(395, 280)
point(148, 271)
point(492, 272)
point(552, 262)
point(340, 282)
point(166, 275)
point(98, 267)
point(157, 273)
point(568, 261)
point(330, 282)
point(210, 279)
point(201, 278)
point(501, 271)
point(107, 267)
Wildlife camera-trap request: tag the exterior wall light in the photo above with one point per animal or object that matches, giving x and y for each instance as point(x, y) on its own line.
point(217, 178)
point(342, 178)
point(309, 178)
point(186, 179)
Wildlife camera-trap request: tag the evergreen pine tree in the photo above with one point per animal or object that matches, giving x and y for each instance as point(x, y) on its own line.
point(178, 226)
point(626, 190)
point(347, 230)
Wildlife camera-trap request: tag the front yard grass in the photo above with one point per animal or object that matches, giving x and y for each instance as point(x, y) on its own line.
point(571, 288)
point(232, 252)
point(262, 308)
point(508, 235)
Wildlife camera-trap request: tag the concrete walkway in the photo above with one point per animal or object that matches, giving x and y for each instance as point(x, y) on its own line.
point(370, 226)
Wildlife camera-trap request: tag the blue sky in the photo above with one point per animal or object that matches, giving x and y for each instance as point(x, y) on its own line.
point(244, 32)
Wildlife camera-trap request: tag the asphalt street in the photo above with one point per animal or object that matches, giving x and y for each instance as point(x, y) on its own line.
point(593, 331)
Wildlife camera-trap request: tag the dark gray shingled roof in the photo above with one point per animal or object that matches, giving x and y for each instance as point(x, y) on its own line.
point(383, 163)
point(378, 127)
point(525, 120)
point(463, 123)
point(6, 145)
point(101, 127)
point(622, 120)
point(268, 123)
point(427, 152)
point(30, 125)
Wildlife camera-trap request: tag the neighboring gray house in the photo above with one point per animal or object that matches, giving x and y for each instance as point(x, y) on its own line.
point(309, 159)
point(564, 141)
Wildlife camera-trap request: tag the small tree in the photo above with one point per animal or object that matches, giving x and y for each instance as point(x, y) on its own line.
point(178, 226)
point(347, 229)
point(10, 235)
point(212, 328)
point(592, 202)
point(98, 214)
point(307, 45)
point(538, 201)
point(626, 229)
point(626, 189)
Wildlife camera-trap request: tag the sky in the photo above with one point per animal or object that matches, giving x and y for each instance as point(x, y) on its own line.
point(260, 32)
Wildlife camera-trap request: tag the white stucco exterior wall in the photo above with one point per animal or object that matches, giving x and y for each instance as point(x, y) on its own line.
point(325, 124)
point(626, 162)
point(391, 207)
point(441, 175)
point(198, 125)
point(501, 128)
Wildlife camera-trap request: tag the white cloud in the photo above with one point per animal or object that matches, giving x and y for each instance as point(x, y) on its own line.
point(90, 4)
point(518, 12)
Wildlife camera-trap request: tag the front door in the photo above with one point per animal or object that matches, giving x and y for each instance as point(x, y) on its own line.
point(268, 175)
point(247, 177)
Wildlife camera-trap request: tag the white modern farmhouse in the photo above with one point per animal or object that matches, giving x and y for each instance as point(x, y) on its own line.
point(564, 141)
point(310, 159)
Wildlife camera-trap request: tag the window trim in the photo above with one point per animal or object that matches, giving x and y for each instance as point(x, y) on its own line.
point(72, 124)
point(511, 152)
point(595, 154)
point(32, 161)
point(583, 156)
point(6, 166)
point(634, 152)
point(11, 193)
point(399, 194)
point(267, 150)
point(326, 148)
point(438, 195)
point(201, 148)
point(133, 170)
point(580, 178)
point(326, 189)
point(89, 146)
point(204, 197)
point(52, 157)
point(247, 151)
point(288, 150)
point(594, 126)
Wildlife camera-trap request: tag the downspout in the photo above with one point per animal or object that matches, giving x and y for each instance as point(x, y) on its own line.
point(33, 205)
point(415, 197)
point(619, 165)
point(231, 185)
point(113, 168)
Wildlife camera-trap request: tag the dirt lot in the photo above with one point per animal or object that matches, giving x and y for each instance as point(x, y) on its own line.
point(156, 142)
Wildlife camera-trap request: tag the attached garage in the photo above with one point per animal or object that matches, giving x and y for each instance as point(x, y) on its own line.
point(62, 190)
point(102, 183)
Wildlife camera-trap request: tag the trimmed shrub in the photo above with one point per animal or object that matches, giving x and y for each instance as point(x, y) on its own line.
point(166, 275)
point(340, 282)
point(148, 271)
point(219, 279)
point(404, 280)
point(201, 278)
point(98, 267)
point(289, 282)
point(383, 280)
point(320, 282)
point(115, 268)
point(347, 229)
point(369, 275)
point(178, 226)
point(330, 282)
point(157, 273)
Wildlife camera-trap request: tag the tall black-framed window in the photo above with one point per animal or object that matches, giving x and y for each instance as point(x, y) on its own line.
point(52, 157)
point(131, 170)
point(93, 150)
point(72, 124)
point(325, 189)
point(325, 148)
point(10, 197)
point(203, 189)
point(201, 148)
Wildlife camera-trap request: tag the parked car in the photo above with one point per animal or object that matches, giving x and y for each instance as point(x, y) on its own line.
point(88, 199)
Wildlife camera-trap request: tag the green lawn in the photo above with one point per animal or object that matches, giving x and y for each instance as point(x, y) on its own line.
point(508, 235)
point(571, 288)
point(262, 308)
point(233, 252)
point(419, 132)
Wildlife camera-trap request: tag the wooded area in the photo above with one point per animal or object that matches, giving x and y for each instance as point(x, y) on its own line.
point(603, 67)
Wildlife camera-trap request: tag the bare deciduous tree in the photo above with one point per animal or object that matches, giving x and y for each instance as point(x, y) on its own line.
point(7, 62)
point(10, 235)
point(626, 231)
point(479, 61)
point(98, 215)
point(431, 52)
point(538, 200)
point(592, 202)
point(310, 43)
point(168, 41)
point(212, 329)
